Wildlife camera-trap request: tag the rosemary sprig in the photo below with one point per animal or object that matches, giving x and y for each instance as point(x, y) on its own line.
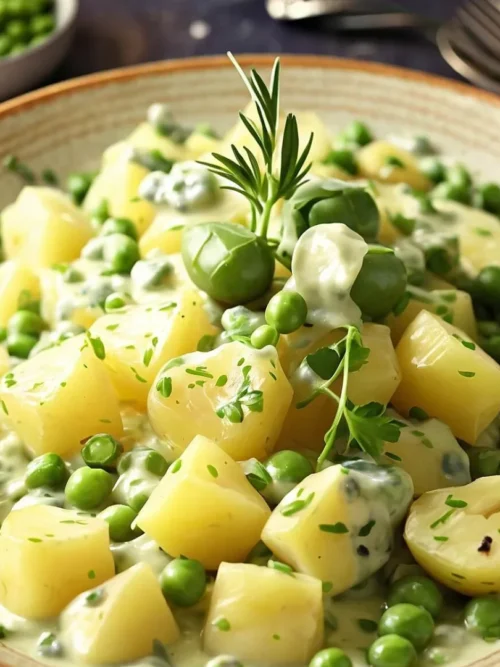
point(264, 188)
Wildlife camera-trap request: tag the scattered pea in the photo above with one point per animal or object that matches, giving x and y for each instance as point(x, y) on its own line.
point(418, 591)
point(48, 470)
point(286, 311)
point(408, 621)
point(101, 451)
point(20, 345)
point(88, 488)
point(331, 657)
point(183, 582)
point(392, 651)
point(120, 519)
point(482, 616)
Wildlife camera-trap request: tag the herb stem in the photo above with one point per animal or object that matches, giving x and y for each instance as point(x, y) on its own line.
point(266, 215)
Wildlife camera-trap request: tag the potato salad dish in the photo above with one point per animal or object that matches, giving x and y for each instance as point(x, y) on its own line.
point(250, 399)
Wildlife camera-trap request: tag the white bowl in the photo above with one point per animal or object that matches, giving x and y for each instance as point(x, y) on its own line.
point(20, 72)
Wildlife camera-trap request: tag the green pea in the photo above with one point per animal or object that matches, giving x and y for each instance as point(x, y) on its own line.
point(38, 39)
point(72, 275)
point(6, 45)
point(331, 657)
point(101, 451)
point(487, 285)
point(263, 336)
point(78, 184)
point(452, 191)
point(17, 49)
point(120, 252)
point(442, 256)
point(116, 301)
point(120, 519)
point(3, 334)
point(18, 31)
point(344, 159)
point(183, 582)
point(93, 249)
point(484, 461)
point(488, 328)
point(355, 208)
point(25, 322)
point(42, 24)
point(149, 459)
point(119, 226)
point(489, 198)
point(408, 621)
point(458, 175)
point(101, 213)
point(228, 262)
point(492, 347)
point(380, 284)
point(482, 617)
point(357, 133)
point(289, 466)
point(88, 488)
point(434, 169)
point(20, 345)
point(392, 651)
point(286, 311)
point(47, 470)
point(422, 146)
point(416, 590)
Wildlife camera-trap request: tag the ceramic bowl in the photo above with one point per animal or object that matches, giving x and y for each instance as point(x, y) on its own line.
point(21, 72)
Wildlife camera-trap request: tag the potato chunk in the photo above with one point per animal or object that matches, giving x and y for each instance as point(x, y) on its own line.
point(59, 397)
point(448, 376)
point(235, 395)
point(139, 340)
point(118, 184)
point(38, 217)
point(447, 534)
point(48, 556)
point(145, 136)
point(430, 454)
point(205, 508)
point(337, 525)
point(261, 615)
point(16, 279)
point(119, 621)
point(384, 161)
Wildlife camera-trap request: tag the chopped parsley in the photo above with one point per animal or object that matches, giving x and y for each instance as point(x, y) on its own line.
point(213, 470)
point(467, 374)
point(138, 377)
point(176, 466)
point(441, 538)
point(201, 371)
point(4, 407)
point(91, 574)
point(338, 528)
point(98, 346)
point(366, 529)
point(418, 413)
point(148, 355)
point(297, 505)
point(281, 567)
point(455, 502)
point(221, 381)
point(222, 624)
point(442, 519)
point(367, 625)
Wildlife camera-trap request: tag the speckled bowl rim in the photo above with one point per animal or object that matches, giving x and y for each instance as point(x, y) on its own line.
point(46, 95)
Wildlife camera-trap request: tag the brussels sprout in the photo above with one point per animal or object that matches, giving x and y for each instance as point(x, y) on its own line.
point(228, 262)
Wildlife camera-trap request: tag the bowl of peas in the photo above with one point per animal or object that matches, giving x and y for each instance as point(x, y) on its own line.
point(34, 37)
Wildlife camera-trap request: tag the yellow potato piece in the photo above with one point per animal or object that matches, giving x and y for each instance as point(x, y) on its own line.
point(204, 508)
point(39, 216)
point(59, 397)
point(453, 306)
point(165, 233)
point(374, 162)
point(145, 136)
point(270, 617)
point(310, 123)
point(329, 171)
point(128, 616)
point(235, 395)
point(139, 340)
point(448, 542)
point(16, 279)
point(118, 184)
point(200, 145)
point(455, 382)
point(48, 556)
point(430, 454)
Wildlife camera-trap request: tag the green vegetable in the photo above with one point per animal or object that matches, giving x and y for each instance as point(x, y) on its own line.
point(20, 345)
point(331, 657)
point(434, 169)
point(25, 322)
point(6, 45)
point(228, 262)
point(487, 285)
point(17, 30)
point(183, 582)
point(88, 488)
point(357, 133)
point(101, 213)
point(482, 617)
point(48, 470)
point(380, 284)
point(13, 163)
point(72, 275)
point(263, 336)
point(148, 459)
point(42, 25)
point(484, 461)
point(392, 651)
point(286, 311)
point(489, 198)
point(453, 191)
point(459, 176)
point(116, 301)
point(78, 184)
point(408, 621)
point(286, 468)
point(492, 347)
point(120, 253)
point(101, 451)
point(154, 160)
point(418, 591)
point(422, 146)
point(120, 519)
point(119, 226)
point(344, 159)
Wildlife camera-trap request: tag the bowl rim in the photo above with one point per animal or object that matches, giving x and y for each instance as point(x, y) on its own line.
point(200, 63)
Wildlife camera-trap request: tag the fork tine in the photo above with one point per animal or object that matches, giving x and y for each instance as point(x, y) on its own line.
point(492, 11)
point(477, 24)
point(463, 42)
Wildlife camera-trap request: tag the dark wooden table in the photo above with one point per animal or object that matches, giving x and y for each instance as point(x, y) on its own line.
point(114, 33)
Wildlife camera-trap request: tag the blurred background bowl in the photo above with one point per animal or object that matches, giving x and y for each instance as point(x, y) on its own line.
point(21, 72)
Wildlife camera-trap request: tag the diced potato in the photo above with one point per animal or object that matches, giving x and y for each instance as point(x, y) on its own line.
point(333, 519)
point(165, 233)
point(145, 136)
point(199, 144)
point(393, 200)
point(235, 395)
point(374, 161)
point(48, 556)
point(430, 454)
point(434, 282)
point(38, 217)
point(59, 397)
point(448, 376)
point(376, 381)
point(309, 122)
point(139, 340)
point(129, 614)
point(329, 171)
point(453, 306)
point(261, 615)
point(449, 541)
point(16, 279)
point(213, 513)
point(118, 184)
